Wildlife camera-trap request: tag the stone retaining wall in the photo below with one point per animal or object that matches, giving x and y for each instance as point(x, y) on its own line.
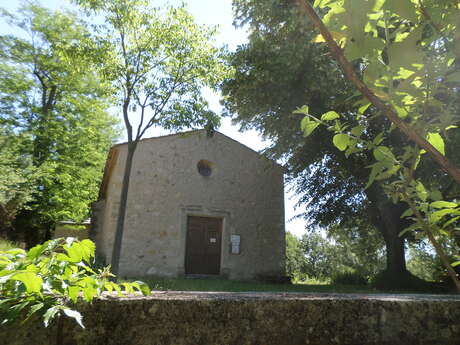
point(254, 319)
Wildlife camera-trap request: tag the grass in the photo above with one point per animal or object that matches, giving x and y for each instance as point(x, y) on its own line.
point(188, 284)
point(7, 245)
point(224, 285)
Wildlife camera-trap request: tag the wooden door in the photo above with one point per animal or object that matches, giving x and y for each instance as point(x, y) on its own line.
point(203, 245)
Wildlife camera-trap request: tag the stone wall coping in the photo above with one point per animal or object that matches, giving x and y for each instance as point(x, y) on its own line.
point(276, 296)
point(252, 318)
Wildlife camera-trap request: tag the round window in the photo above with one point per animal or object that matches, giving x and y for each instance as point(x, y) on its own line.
point(204, 168)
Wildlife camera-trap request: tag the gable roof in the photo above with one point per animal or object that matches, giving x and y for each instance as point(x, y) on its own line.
point(188, 133)
point(113, 154)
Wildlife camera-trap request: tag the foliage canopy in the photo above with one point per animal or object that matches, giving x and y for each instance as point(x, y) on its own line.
point(407, 54)
point(53, 99)
point(279, 70)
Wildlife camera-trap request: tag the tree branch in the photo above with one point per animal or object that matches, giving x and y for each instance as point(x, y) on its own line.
point(439, 250)
point(159, 109)
point(44, 87)
point(143, 105)
point(386, 109)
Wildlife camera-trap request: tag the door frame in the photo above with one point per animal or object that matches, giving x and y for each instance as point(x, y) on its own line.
point(220, 231)
point(199, 211)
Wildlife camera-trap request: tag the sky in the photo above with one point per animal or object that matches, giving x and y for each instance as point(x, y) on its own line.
point(216, 13)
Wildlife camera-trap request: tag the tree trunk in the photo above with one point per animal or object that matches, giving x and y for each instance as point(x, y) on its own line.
point(390, 229)
point(116, 251)
point(386, 217)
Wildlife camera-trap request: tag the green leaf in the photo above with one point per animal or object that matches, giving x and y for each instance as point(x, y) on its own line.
point(108, 286)
point(16, 251)
point(402, 112)
point(363, 108)
point(88, 248)
point(438, 215)
point(321, 3)
point(329, 116)
point(142, 287)
point(20, 306)
point(34, 309)
point(128, 288)
point(49, 315)
point(302, 110)
point(391, 170)
point(341, 141)
point(421, 191)
point(75, 252)
point(308, 126)
point(115, 287)
point(63, 257)
point(403, 8)
point(35, 252)
point(450, 221)
point(435, 194)
point(384, 154)
point(436, 140)
point(377, 168)
point(415, 226)
point(378, 139)
point(407, 213)
point(443, 204)
point(89, 290)
point(407, 54)
point(5, 278)
point(357, 131)
point(32, 281)
point(74, 314)
point(73, 292)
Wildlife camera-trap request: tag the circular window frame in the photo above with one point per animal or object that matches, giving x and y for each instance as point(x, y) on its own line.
point(205, 168)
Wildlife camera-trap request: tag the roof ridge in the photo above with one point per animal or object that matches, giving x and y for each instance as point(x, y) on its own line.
point(164, 136)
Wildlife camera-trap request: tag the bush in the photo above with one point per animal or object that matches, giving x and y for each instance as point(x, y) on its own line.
point(348, 278)
point(50, 278)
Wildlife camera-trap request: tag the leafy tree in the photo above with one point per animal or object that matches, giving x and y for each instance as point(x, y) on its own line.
point(279, 70)
point(18, 180)
point(318, 258)
point(157, 62)
point(424, 262)
point(50, 94)
point(343, 252)
point(294, 256)
point(327, 258)
point(358, 249)
point(409, 54)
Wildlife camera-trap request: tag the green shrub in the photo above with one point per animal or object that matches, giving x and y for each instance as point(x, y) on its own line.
point(50, 278)
point(348, 278)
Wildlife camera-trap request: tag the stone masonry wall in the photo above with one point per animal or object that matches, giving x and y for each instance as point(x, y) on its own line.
point(254, 319)
point(245, 190)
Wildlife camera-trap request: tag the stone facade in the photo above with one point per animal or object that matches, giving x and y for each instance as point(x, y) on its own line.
point(244, 190)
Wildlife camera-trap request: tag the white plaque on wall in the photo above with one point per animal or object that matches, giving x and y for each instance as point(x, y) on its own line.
point(235, 244)
point(235, 239)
